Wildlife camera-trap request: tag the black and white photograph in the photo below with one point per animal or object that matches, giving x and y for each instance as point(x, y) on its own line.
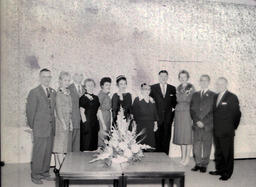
point(137, 93)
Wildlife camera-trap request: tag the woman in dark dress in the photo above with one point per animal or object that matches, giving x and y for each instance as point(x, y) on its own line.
point(145, 115)
point(89, 105)
point(121, 99)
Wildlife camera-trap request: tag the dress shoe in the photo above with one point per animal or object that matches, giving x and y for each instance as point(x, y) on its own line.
point(215, 173)
point(224, 178)
point(196, 168)
point(37, 181)
point(56, 171)
point(203, 169)
point(49, 178)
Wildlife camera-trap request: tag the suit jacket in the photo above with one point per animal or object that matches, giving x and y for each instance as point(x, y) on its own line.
point(76, 118)
point(226, 116)
point(40, 112)
point(165, 105)
point(201, 109)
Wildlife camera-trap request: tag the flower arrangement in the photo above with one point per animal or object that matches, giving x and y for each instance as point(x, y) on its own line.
point(122, 147)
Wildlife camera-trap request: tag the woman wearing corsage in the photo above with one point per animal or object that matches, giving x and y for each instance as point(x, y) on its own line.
point(121, 99)
point(182, 121)
point(63, 134)
point(145, 115)
point(89, 105)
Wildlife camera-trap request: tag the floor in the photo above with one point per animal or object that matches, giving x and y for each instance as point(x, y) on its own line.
point(18, 175)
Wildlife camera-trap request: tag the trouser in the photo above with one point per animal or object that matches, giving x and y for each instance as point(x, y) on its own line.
point(76, 140)
point(163, 137)
point(224, 154)
point(41, 157)
point(202, 145)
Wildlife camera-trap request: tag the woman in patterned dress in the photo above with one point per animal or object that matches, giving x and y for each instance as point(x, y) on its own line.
point(62, 143)
point(182, 121)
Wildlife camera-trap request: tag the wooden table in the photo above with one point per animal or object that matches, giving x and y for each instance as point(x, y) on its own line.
point(154, 166)
point(76, 166)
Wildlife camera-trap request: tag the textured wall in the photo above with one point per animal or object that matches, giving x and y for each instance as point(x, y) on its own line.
point(135, 38)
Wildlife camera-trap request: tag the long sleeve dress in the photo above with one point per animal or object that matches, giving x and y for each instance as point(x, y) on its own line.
point(126, 104)
point(89, 129)
point(182, 120)
point(105, 107)
point(145, 115)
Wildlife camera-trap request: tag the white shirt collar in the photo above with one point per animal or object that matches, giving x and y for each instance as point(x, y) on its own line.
point(44, 87)
point(205, 90)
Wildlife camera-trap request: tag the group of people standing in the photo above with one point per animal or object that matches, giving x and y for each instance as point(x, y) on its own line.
point(74, 119)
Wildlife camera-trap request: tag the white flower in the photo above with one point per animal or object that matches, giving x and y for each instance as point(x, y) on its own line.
point(135, 148)
point(119, 159)
point(113, 143)
point(128, 153)
point(123, 145)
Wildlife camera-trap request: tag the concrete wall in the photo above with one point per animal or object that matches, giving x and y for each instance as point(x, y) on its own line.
point(135, 38)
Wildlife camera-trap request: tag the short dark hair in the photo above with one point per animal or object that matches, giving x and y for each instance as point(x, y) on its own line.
point(104, 80)
point(119, 78)
point(206, 76)
point(44, 70)
point(183, 72)
point(163, 71)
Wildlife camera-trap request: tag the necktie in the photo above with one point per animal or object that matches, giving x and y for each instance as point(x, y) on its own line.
point(163, 90)
point(79, 89)
point(218, 99)
point(202, 93)
point(48, 92)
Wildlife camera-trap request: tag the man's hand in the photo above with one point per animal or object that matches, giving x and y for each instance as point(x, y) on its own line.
point(155, 126)
point(200, 124)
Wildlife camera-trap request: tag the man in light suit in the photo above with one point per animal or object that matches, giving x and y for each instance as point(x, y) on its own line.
point(165, 97)
point(201, 110)
point(226, 118)
point(76, 91)
point(40, 118)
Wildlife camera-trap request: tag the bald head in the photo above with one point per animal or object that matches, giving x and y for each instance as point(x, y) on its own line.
point(221, 84)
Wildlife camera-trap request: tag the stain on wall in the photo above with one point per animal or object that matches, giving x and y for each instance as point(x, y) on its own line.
point(108, 38)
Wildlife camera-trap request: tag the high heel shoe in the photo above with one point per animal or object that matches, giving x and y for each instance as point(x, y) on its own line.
point(56, 171)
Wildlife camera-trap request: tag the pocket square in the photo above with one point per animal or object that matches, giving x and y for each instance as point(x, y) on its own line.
point(171, 94)
point(224, 103)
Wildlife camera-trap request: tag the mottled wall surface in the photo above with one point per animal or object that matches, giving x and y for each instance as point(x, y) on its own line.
point(135, 38)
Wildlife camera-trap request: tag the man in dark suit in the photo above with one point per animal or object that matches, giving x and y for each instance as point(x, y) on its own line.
point(165, 97)
point(226, 118)
point(201, 110)
point(76, 91)
point(40, 118)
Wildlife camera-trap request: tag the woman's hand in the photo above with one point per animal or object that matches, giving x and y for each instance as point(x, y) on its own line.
point(71, 126)
point(64, 125)
point(155, 126)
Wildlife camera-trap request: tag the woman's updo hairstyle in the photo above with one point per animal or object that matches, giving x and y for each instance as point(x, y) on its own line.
point(119, 78)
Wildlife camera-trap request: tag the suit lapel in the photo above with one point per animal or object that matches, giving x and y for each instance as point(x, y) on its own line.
point(160, 90)
point(42, 92)
point(222, 99)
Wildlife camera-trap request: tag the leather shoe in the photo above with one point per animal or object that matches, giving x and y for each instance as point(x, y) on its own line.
point(49, 178)
point(196, 168)
point(224, 178)
point(37, 181)
point(203, 169)
point(215, 173)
